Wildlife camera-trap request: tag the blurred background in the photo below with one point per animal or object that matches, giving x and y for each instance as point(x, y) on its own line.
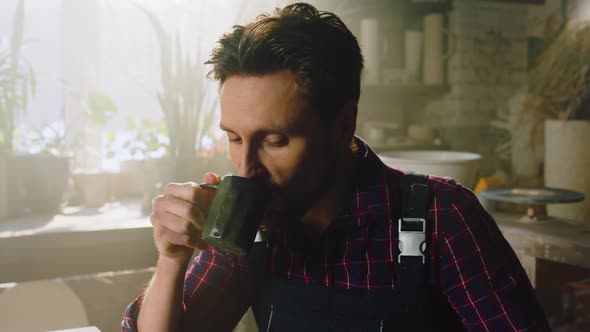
point(102, 102)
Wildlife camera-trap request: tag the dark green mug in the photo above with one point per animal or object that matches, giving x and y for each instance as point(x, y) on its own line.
point(235, 213)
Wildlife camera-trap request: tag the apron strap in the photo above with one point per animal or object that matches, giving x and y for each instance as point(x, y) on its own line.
point(413, 231)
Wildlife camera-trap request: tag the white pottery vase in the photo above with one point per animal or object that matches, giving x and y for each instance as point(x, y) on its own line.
point(567, 165)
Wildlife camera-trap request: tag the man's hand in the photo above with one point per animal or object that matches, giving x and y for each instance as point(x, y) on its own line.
point(178, 217)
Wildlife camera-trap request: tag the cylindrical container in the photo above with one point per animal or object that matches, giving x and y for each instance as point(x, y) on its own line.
point(370, 43)
point(421, 134)
point(567, 162)
point(413, 55)
point(433, 70)
point(461, 166)
point(235, 213)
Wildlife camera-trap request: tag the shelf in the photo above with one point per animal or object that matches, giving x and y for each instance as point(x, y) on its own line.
point(412, 8)
point(425, 7)
point(407, 89)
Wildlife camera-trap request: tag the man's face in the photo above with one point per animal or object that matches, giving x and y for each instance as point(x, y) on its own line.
point(273, 132)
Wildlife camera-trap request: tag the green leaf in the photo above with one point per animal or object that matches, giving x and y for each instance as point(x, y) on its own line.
point(17, 33)
point(17, 79)
point(100, 107)
point(183, 91)
point(111, 136)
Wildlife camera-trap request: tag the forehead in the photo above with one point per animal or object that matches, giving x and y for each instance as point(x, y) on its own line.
point(252, 102)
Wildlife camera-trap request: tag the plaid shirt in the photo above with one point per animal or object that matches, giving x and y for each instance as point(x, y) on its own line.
point(470, 260)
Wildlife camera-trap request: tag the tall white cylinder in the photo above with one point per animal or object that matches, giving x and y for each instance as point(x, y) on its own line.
point(413, 55)
point(433, 70)
point(567, 162)
point(370, 43)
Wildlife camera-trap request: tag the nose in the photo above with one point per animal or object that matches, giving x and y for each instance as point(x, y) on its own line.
point(250, 164)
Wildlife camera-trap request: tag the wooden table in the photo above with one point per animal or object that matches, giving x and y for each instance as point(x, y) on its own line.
point(553, 252)
point(553, 240)
point(80, 241)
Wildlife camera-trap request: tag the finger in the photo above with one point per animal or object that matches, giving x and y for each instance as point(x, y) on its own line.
point(196, 242)
point(163, 234)
point(175, 223)
point(181, 208)
point(188, 191)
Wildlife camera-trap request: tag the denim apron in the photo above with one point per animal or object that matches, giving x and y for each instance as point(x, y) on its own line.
point(283, 305)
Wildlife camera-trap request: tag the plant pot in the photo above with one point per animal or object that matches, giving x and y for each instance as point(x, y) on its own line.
point(567, 162)
point(132, 177)
point(145, 178)
point(37, 183)
point(94, 187)
point(116, 187)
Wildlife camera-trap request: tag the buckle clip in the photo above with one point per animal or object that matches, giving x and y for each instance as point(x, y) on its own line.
point(262, 235)
point(411, 238)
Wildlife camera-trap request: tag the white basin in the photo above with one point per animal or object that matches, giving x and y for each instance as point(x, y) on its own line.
point(461, 166)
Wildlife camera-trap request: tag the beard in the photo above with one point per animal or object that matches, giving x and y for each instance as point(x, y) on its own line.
point(288, 204)
point(315, 177)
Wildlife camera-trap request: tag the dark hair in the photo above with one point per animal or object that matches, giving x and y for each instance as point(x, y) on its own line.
point(315, 45)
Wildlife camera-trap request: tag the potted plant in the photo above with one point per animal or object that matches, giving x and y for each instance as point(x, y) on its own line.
point(17, 81)
point(17, 85)
point(185, 100)
point(92, 182)
point(144, 171)
point(139, 151)
point(558, 103)
point(40, 169)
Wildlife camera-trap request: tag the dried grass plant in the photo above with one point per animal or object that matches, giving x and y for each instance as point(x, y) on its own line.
point(559, 83)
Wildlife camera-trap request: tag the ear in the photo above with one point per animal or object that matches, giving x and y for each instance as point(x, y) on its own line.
point(347, 122)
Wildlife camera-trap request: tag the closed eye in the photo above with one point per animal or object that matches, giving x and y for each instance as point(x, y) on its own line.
point(277, 142)
point(233, 139)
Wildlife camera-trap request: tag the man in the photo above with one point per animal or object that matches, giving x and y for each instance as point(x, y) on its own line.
point(290, 84)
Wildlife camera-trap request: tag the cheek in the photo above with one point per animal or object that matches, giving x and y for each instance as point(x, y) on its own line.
point(234, 156)
point(281, 165)
point(289, 167)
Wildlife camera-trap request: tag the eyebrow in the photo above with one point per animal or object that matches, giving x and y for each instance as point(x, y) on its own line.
point(224, 128)
point(271, 129)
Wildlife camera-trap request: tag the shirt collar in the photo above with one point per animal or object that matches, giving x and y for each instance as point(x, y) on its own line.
point(369, 199)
